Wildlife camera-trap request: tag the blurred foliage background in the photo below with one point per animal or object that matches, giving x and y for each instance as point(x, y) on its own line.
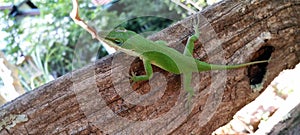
point(44, 46)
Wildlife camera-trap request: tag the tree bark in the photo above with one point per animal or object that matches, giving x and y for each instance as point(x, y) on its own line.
point(98, 99)
point(289, 125)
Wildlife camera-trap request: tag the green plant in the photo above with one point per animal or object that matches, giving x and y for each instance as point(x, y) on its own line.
point(51, 37)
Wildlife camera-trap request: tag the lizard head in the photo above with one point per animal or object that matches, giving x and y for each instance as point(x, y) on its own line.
point(120, 35)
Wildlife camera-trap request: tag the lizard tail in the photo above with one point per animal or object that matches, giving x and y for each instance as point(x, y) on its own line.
point(203, 66)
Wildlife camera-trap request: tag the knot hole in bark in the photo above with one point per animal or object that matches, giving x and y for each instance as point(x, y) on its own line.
point(257, 72)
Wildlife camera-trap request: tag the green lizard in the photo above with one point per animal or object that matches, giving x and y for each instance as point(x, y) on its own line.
point(157, 53)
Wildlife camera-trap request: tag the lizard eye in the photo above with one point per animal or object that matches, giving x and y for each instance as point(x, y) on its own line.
point(118, 42)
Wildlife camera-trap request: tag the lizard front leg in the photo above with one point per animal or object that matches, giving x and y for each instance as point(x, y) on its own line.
point(149, 72)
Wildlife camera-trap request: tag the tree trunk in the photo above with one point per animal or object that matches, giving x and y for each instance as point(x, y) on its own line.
point(289, 125)
point(99, 99)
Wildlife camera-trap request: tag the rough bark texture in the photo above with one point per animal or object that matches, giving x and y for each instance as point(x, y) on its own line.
point(275, 111)
point(88, 100)
point(289, 126)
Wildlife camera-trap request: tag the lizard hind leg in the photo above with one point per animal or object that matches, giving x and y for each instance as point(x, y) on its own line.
point(190, 45)
point(187, 80)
